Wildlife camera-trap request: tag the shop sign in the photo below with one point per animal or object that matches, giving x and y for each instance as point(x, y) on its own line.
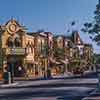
point(16, 51)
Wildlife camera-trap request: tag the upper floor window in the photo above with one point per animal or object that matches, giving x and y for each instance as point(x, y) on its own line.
point(30, 47)
point(14, 41)
point(17, 42)
point(10, 42)
point(81, 51)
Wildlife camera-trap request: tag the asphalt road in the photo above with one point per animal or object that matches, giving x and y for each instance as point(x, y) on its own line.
point(52, 93)
point(49, 92)
point(74, 88)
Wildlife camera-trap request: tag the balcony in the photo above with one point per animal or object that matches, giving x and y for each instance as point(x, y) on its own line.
point(15, 51)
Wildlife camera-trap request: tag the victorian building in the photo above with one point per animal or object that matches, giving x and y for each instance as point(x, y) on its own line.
point(17, 49)
point(70, 53)
point(79, 49)
point(37, 52)
point(13, 46)
point(43, 51)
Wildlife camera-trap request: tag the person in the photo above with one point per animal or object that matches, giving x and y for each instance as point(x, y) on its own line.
point(19, 71)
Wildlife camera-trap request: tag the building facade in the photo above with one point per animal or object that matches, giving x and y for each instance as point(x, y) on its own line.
point(37, 53)
point(13, 42)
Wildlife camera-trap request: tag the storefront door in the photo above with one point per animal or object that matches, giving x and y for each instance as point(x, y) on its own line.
point(16, 67)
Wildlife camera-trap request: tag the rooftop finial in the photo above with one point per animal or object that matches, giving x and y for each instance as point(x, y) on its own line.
point(12, 18)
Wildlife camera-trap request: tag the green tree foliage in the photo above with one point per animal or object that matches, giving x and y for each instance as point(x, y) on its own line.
point(96, 58)
point(93, 28)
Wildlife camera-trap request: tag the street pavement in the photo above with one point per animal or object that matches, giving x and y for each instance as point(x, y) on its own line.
point(59, 93)
point(53, 83)
point(95, 95)
point(49, 89)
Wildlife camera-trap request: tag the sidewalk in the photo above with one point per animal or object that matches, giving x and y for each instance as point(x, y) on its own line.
point(53, 82)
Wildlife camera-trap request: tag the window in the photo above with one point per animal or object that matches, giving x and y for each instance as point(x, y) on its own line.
point(81, 51)
point(10, 42)
point(17, 42)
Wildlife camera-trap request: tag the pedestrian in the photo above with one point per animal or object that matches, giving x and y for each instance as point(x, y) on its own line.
point(20, 70)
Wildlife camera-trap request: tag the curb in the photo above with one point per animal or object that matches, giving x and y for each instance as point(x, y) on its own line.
point(8, 85)
point(18, 85)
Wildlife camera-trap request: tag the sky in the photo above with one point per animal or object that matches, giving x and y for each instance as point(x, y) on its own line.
point(51, 15)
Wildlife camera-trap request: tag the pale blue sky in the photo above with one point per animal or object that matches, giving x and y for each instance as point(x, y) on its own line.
point(50, 15)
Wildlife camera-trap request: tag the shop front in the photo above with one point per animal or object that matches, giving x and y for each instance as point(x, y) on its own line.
point(15, 65)
point(36, 69)
point(31, 68)
point(41, 67)
point(56, 67)
point(14, 58)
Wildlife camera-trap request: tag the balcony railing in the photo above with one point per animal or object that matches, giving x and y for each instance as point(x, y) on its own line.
point(15, 51)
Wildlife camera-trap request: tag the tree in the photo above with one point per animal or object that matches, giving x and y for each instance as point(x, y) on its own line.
point(93, 28)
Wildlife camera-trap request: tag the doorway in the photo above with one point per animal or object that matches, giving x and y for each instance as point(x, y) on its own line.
point(15, 66)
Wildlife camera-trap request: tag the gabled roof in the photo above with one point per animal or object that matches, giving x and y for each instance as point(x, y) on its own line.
point(13, 20)
point(76, 38)
point(37, 34)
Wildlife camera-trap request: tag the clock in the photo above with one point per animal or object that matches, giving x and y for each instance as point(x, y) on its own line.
point(12, 28)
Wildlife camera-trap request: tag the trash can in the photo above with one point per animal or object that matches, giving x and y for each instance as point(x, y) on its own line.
point(7, 77)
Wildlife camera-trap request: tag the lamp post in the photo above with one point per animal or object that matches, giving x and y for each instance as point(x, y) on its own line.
point(12, 72)
point(11, 69)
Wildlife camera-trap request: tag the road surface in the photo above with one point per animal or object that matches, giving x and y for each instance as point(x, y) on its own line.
point(45, 90)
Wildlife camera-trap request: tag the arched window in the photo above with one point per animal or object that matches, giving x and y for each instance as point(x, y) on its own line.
point(10, 42)
point(29, 47)
point(17, 42)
